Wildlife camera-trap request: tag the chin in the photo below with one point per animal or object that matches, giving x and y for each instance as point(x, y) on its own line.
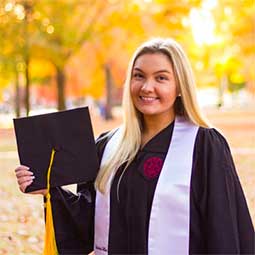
point(147, 111)
point(150, 113)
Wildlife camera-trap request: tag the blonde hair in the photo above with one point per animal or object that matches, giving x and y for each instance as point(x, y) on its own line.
point(131, 129)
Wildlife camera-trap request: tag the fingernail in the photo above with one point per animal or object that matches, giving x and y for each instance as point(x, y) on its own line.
point(32, 177)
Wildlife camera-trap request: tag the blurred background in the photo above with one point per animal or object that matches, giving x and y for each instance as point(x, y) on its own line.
point(62, 54)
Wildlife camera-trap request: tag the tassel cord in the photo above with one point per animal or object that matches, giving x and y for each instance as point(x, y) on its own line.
point(50, 246)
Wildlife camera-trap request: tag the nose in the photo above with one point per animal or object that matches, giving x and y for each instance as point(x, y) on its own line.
point(148, 86)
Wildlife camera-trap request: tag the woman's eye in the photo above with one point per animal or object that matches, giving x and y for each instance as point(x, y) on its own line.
point(138, 75)
point(162, 78)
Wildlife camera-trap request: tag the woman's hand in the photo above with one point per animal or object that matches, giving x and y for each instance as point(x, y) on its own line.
point(25, 178)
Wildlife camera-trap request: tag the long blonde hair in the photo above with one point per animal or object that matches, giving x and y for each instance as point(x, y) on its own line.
point(131, 129)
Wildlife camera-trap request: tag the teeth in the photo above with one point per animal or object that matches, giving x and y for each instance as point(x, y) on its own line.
point(148, 98)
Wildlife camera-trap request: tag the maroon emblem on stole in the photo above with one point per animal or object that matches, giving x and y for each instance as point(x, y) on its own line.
point(152, 167)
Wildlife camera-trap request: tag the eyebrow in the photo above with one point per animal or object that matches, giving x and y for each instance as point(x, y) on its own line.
point(159, 71)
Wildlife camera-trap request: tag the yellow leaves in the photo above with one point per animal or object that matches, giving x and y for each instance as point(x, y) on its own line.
point(110, 31)
point(237, 78)
point(41, 68)
point(228, 66)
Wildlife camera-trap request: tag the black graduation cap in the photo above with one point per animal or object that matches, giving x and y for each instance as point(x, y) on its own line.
point(70, 134)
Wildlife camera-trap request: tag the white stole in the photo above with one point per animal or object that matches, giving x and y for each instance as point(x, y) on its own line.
point(170, 212)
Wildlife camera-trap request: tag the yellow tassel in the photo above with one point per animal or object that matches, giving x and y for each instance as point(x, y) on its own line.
point(50, 246)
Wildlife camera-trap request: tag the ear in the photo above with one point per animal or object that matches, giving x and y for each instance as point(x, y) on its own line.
point(178, 89)
point(178, 92)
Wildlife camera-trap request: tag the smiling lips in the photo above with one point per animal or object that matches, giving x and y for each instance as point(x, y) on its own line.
point(148, 99)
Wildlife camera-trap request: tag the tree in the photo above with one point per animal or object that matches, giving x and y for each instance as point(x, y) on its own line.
point(64, 34)
point(11, 55)
point(16, 26)
point(234, 54)
point(126, 26)
point(48, 33)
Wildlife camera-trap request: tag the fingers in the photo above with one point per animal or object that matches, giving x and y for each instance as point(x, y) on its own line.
point(24, 177)
point(21, 173)
point(21, 168)
point(24, 185)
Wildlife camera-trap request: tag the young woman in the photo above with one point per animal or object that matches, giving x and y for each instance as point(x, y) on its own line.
point(167, 182)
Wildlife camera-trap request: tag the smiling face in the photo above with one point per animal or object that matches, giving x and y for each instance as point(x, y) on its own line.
point(153, 87)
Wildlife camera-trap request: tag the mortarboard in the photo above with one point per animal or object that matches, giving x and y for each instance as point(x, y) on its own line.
point(70, 134)
point(60, 149)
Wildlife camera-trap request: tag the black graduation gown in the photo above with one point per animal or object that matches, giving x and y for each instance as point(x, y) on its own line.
point(219, 218)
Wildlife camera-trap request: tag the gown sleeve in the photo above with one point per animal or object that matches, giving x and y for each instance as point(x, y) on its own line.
point(73, 215)
point(223, 212)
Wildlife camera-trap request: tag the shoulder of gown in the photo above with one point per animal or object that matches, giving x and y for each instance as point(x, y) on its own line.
point(219, 196)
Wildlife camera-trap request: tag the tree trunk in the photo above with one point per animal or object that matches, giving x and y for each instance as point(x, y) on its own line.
point(61, 88)
point(28, 11)
point(222, 87)
point(27, 86)
point(109, 87)
point(17, 95)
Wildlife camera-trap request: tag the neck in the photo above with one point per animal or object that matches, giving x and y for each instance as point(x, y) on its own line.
point(153, 125)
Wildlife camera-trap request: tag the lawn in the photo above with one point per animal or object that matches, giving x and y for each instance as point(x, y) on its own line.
point(21, 216)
